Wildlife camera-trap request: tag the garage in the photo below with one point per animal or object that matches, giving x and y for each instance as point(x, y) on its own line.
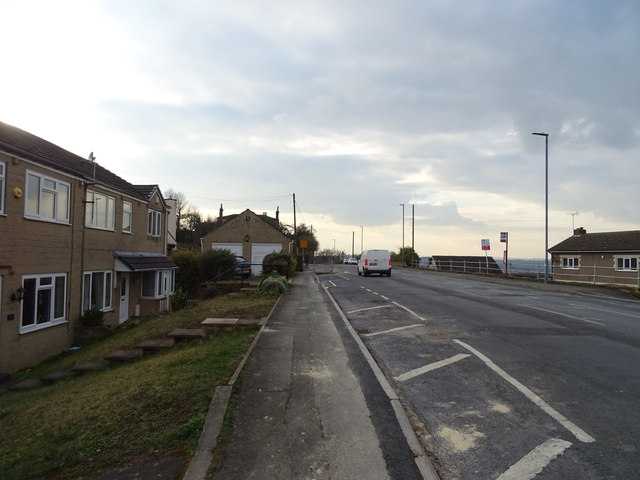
point(259, 251)
point(235, 248)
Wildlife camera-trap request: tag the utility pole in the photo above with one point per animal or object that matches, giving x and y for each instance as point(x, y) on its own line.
point(295, 228)
point(413, 225)
point(402, 205)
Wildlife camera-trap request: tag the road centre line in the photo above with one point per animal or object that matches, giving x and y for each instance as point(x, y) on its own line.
point(369, 308)
point(563, 314)
point(604, 310)
point(432, 366)
point(534, 462)
point(410, 311)
point(391, 330)
point(544, 406)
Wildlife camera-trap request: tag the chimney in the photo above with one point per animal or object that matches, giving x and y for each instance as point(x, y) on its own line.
point(220, 214)
point(278, 214)
point(579, 231)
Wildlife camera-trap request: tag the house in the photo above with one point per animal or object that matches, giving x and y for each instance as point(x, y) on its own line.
point(609, 258)
point(248, 235)
point(73, 236)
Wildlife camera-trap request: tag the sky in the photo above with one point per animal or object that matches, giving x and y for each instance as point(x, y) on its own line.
point(357, 107)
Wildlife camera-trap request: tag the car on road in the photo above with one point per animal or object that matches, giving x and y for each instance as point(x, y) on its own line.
point(351, 261)
point(243, 268)
point(375, 261)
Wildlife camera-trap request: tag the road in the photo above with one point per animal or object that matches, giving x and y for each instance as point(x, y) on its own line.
point(505, 382)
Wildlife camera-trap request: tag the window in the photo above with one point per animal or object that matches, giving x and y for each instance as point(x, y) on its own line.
point(43, 304)
point(158, 283)
point(571, 262)
point(96, 291)
point(127, 216)
point(100, 212)
point(629, 264)
point(155, 223)
point(2, 183)
point(47, 198)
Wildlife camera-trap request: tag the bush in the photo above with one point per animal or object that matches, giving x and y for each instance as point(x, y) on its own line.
point(187, 275)
point(216, 265)
point(274, 284)
point(179, 299)
point(281, 263)
point(93, 317)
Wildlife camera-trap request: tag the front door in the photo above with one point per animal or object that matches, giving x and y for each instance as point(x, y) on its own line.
point(124, 297)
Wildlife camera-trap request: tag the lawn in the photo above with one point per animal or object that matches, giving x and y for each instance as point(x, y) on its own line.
point(149, 408)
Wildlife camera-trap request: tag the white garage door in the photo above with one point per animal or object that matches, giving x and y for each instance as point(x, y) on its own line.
point(235, 248)
point(259, 251)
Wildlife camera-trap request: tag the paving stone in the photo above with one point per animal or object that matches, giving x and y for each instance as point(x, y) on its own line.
point(187, 333)
point(27, 384)
point(155, 344)
point(123, 355)
point(59, 375)
point(89, 366)
point(248, 321)
point(219, 322)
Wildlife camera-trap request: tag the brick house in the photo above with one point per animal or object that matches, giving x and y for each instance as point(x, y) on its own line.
point(73, 236)
point(248, 235)
point(609, 258)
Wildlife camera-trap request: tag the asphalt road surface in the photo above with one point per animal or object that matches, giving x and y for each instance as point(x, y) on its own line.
point(505, 381)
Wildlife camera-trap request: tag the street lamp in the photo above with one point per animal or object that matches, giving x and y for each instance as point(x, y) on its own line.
point(361, 237)
point(402, 205)
point(546, 202)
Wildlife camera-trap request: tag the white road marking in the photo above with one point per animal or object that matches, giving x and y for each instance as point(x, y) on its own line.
point(410, 311)
point(604, 310)
point(432, 366)
point(534, 462)
point(332, 283)
point(563, 314)
point(566, 423)
point(382, 296)
point(391, 330)
point(369, 308)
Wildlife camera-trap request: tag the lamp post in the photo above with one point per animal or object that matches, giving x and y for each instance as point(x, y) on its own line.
point(546, 202)
point(361, 238)
point(402, 205)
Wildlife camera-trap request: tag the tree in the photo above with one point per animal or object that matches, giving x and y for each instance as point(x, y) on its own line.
point(406, 257)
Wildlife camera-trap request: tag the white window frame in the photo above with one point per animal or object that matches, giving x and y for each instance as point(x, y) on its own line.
point(57, 191)
point(163, 283)
point(570, 263)
point(57, 305)
point(155, 223)
point(105, 296)
point(626, 264)
point(3, 182)
point(127, 217)
point(100, 210)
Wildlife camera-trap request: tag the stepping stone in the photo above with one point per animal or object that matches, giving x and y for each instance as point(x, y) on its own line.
point(155, 344)
point(248, 321)
point(89, 366)
point(123, 355)
point(187, 333)
point(27, 384)
point(219, 322)
point(55, 376)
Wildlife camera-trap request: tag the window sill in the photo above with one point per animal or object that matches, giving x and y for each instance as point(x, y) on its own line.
point(42, 326)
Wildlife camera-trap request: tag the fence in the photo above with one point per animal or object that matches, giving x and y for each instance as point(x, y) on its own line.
point(598, 275)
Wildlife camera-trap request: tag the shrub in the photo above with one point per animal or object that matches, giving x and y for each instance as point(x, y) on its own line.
point(92, 318)
point(187, 275)
point(274, 284)
point(179, 299)
point(216, 265)
point(281, 263)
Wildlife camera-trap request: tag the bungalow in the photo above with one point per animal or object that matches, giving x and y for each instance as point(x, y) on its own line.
point(248, 235)
point(73, 236)
point(609, 258)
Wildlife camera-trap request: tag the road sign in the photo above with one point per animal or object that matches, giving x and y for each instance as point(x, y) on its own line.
point(486, 245)
point(504, 237)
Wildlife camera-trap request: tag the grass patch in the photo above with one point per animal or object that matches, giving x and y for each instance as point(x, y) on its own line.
point(126, 413)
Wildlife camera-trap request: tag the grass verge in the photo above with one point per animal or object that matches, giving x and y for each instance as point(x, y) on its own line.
point(127, 413)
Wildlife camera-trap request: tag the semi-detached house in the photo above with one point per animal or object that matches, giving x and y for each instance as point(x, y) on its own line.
point(73, 236)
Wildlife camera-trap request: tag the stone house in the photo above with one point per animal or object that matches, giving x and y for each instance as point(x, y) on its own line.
point(608, 258)
point(73, 236)
point(248, 235)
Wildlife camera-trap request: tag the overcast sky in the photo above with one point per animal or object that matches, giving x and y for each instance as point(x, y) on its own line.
point(354, 106)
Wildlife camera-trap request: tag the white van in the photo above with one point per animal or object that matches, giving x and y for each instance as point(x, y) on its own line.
point(374, 261)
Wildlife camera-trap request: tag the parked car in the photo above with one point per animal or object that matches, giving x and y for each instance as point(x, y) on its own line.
point(375, 261)
point(243, 268)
